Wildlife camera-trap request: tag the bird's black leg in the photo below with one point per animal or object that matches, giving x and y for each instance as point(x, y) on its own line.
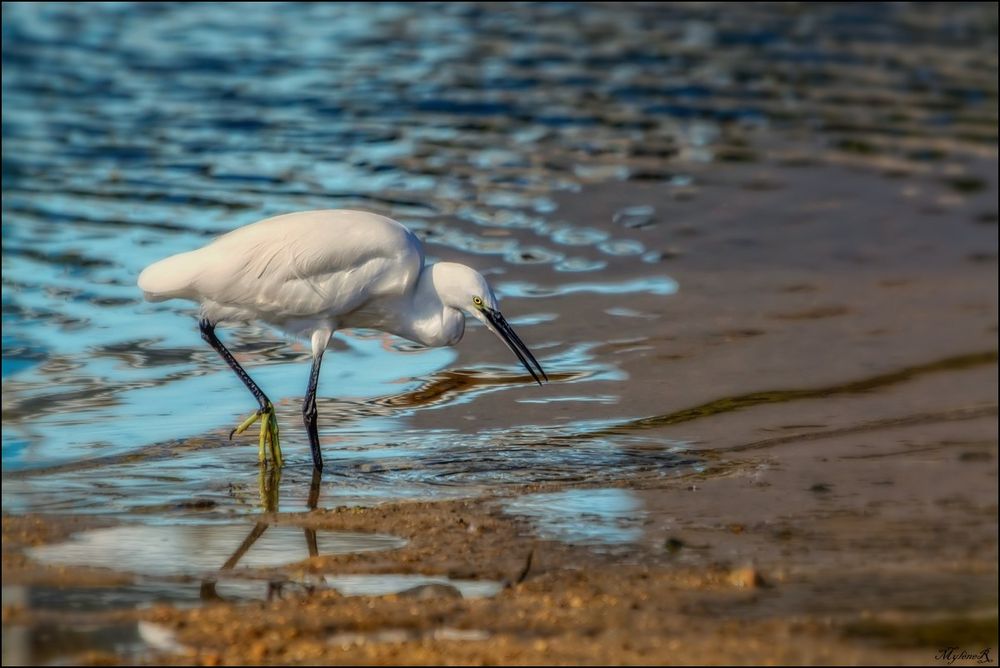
point(269, 423)
point(208, 333)
point(309, 413)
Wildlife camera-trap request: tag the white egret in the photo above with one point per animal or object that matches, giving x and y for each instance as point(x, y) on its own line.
point(314, 272)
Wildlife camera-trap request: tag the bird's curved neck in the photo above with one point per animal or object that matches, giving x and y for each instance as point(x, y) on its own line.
point(432, 321)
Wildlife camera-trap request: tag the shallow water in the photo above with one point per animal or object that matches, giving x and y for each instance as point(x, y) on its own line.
point(583, 516)
point(197, 549)
point(131, 132)
point(62, 644)
point(383, 584)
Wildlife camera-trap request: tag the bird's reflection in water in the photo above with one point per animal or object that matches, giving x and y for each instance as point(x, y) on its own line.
point(269, 484)
point(311, 504)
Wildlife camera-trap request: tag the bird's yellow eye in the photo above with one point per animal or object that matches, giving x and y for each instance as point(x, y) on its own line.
point(477, 301)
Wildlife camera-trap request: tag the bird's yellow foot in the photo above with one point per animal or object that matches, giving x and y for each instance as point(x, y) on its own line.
point(268, 433)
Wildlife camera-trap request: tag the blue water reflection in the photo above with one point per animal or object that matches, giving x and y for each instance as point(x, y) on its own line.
point(583, 516)
point(199, 549)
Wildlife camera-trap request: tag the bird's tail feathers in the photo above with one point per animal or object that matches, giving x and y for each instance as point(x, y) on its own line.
point(170, 278)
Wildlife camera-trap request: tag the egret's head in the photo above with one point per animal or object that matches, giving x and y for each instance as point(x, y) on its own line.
point(465, 289)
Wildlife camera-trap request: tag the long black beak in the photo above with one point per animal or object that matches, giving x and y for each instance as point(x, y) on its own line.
point(503, 330)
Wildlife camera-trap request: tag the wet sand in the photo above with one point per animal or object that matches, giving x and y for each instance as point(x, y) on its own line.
point(829, 365)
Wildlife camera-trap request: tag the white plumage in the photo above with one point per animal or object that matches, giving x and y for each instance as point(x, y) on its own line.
point(313, 272)
point(292, 267)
